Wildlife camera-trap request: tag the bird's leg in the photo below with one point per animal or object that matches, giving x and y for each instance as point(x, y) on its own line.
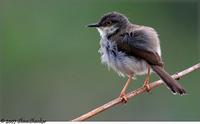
point(146, 82)
point(123, 92)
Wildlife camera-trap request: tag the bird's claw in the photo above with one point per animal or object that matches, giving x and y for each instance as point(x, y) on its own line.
point(147, 87)
point(123, 98)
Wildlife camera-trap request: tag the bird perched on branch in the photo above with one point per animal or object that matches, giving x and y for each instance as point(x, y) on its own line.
point(132, 49)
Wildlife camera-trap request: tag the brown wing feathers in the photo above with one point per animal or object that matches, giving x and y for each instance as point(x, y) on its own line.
point(137, 46)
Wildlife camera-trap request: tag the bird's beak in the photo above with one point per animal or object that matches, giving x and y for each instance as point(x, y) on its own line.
point(93, 25)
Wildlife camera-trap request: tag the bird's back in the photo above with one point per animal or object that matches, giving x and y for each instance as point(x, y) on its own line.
point(143, 32)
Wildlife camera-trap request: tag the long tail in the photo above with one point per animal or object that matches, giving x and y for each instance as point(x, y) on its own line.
point(169, 81)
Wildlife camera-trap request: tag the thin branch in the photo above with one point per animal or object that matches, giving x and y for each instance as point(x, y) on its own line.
point(134, 93)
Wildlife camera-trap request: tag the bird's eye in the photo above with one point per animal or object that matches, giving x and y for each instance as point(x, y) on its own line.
point(108, 23)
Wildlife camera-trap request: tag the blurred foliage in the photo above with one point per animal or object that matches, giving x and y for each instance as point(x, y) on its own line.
point(50, 67)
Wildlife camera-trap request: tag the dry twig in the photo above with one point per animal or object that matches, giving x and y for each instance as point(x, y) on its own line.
point(134, 93)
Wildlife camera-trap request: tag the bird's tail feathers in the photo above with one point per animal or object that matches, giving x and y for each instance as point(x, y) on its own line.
point(173, 85)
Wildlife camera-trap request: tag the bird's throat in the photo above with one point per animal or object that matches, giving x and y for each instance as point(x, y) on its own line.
point(106, 32)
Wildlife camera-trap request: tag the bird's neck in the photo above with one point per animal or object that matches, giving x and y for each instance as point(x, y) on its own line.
point(118, 32)
point(114, 33)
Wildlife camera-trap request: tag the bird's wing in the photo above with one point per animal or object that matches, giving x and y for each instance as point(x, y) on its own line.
point(137, 44)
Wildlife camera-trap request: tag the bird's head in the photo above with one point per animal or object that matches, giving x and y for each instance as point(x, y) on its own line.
point(109, 23)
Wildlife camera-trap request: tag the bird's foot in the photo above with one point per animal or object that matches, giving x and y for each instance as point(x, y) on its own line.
point(123, 97)
point(147, 87)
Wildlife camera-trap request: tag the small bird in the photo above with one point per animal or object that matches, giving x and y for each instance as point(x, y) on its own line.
point(131, 49)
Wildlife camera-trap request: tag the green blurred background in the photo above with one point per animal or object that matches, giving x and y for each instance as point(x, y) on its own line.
point(50, 67)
